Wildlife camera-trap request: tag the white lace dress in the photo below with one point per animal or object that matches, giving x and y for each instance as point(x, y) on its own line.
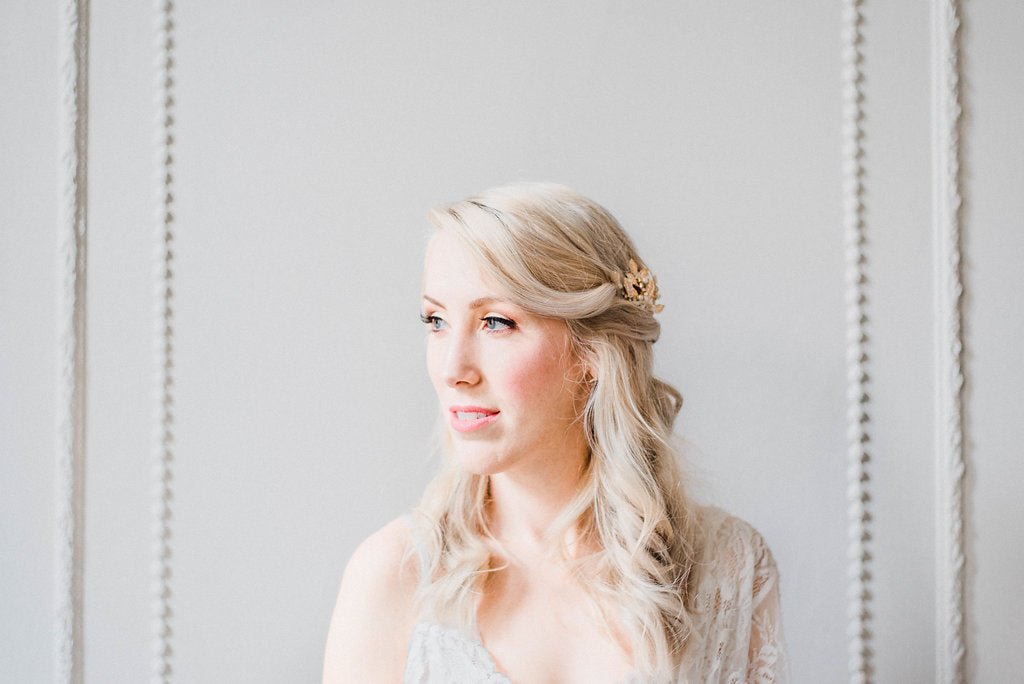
point(738, 635)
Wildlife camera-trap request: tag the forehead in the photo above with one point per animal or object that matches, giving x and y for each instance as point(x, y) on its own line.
point(451, 269)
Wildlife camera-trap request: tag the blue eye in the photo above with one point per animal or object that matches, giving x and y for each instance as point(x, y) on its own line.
point(433, 322)
point(497, 323)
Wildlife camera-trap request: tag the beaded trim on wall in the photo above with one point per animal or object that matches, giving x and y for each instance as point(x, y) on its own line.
point(70, 395)
point(950, 462)
point(163, 442)
point(858, 401)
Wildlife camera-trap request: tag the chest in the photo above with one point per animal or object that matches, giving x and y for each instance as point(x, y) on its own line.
point(543, 627)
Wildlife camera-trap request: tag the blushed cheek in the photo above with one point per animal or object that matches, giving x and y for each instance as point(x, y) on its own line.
point(536, 379)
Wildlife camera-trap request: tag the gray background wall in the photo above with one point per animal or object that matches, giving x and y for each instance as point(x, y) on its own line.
point(309, 142)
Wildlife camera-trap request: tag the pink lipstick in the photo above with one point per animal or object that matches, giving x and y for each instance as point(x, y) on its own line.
point(469, 418)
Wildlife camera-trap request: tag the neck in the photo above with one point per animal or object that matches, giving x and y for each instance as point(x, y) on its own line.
point(524, 504)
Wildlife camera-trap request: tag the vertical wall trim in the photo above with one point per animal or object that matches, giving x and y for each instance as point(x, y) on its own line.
point(163, 441)
point(857, 413)
point(950, 464)
point(70, 400)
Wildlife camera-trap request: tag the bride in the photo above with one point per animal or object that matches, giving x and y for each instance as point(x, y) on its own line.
point(558, 542)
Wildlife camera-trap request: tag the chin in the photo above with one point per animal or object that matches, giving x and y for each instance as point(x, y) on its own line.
point(480, 462)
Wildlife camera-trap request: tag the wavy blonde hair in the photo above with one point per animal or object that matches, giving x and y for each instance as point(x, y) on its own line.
point(554, 252)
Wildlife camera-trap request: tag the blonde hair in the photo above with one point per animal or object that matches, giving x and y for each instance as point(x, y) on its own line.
point(554, 252)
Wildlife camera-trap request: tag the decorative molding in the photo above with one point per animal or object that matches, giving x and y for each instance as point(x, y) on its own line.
point(949, 378)
point(163, 442)
point(858, 400)
point(70, 400)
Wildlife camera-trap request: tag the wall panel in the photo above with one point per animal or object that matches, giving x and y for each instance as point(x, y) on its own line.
point(308, 143)
point(122, 153)
point(993, 174)
point(29, 156)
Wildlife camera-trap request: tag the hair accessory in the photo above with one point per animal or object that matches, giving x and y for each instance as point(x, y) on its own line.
point(639, 285)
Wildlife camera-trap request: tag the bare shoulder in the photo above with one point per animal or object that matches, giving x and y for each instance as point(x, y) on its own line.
point(385, 561)
point(374, 609)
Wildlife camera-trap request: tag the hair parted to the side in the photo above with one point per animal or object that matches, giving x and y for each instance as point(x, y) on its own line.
point(555, 253)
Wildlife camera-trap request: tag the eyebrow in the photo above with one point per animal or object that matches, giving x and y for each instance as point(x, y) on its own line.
point(476, 303)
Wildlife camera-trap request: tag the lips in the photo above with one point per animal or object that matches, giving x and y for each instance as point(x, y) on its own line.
point(470, 418)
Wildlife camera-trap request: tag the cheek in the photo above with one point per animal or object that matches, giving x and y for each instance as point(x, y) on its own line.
point(434, 364)
point(535, 379)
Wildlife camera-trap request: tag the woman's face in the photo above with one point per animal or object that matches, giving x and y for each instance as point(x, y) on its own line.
point(509, 385)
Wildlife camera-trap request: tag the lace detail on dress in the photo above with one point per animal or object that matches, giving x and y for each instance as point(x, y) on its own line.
point(442, 655)
point(737, 629)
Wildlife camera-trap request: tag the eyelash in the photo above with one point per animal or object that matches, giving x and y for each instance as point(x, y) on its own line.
point(430, 320)
point(509, 325)
point(433, 320)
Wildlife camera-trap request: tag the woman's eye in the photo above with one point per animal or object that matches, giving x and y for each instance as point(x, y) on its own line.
point(432, 322)
point(496, 323)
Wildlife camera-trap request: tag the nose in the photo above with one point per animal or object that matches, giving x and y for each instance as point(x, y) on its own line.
point(460, 364)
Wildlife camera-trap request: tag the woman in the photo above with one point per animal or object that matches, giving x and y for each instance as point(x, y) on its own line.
point(558, 543)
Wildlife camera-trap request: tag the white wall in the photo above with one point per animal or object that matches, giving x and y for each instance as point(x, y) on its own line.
point(994, 247)
point(309, 143)
point(28, 287)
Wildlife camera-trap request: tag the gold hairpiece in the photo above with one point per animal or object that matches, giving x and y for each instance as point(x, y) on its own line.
point(639, 285)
